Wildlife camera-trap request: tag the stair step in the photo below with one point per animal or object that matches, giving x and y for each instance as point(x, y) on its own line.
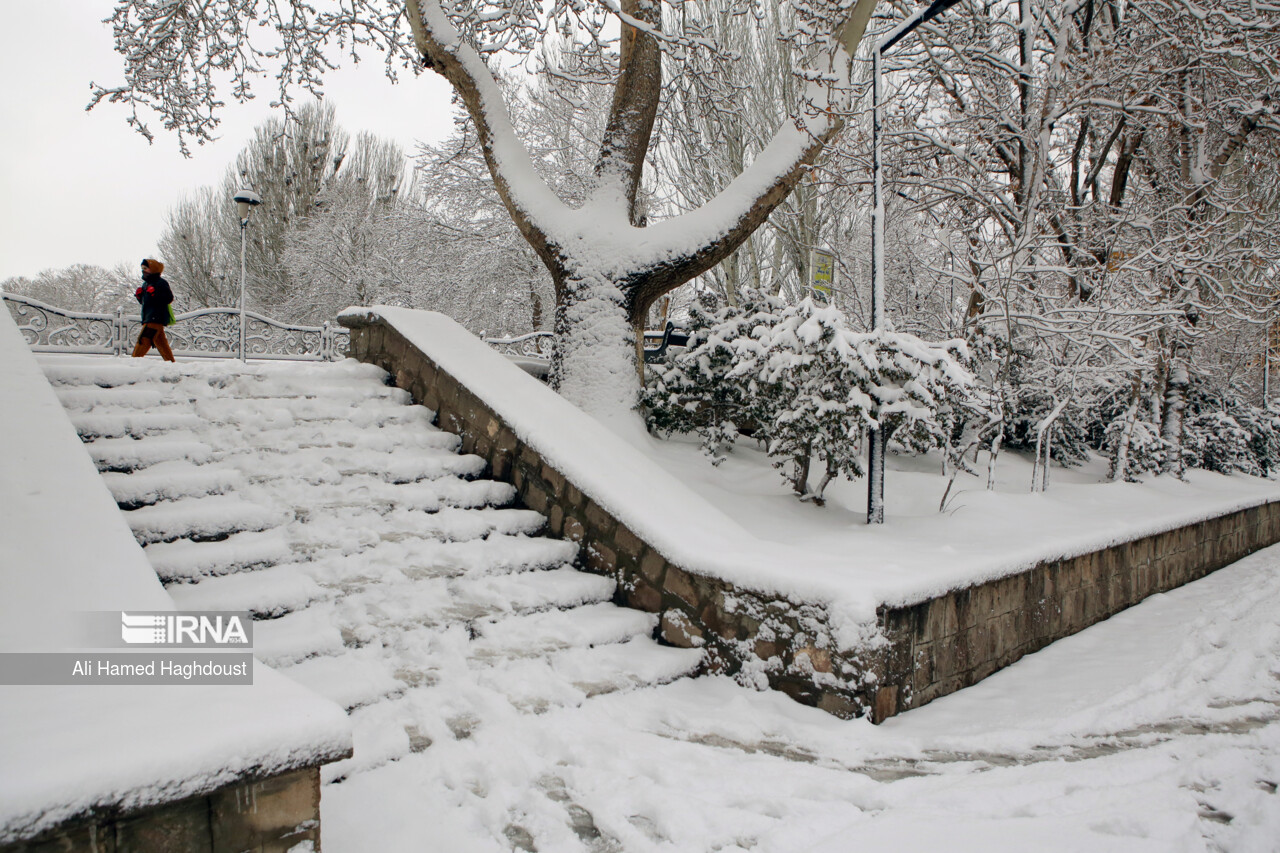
point(353, 678)
point(620, 666)
point(280, 385)
point(452, 524)
point(485, 596)
point(167, 481)
point(331, 465)
point(552, 630)
point(129, 454)
point(186, 561)
point(378, 736)
point(200, 518)
point(284, 411)
point(373, 493)
point(135, 423)
point(351, 528)
point(421, 558)
point(296, 636)
point(96, 373)
point(336, 436)
point(89, 398)
point(266, 593)
point(372, 610)
point(571, 676)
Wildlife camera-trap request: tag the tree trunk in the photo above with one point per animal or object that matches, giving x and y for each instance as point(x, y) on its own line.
point(1120, 464)
point(801, 482)
point(608, 265)
point(991, 463)
point(594, 361)
point(1175, 404)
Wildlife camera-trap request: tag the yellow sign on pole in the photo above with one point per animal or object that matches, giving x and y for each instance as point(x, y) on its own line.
point(822, 265)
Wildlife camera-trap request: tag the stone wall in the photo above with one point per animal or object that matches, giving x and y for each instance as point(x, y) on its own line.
point(270, 815)
point(913, 655)
point(958, 639)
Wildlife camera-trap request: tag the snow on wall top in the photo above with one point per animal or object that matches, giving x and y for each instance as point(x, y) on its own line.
point(64, 547)
point(609, 464)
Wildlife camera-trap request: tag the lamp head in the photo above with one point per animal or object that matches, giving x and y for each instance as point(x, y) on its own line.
point(246, 199)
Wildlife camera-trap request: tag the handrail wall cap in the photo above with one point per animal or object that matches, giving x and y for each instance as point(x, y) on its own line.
point(357, 317)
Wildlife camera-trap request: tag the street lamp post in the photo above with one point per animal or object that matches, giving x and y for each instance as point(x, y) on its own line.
point(1266, 366)
point(246, 200)
point(875, 438)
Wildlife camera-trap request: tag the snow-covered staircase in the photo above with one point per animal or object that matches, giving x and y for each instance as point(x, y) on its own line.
point(382, 571)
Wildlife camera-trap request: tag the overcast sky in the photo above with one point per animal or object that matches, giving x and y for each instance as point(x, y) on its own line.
point(85, 188)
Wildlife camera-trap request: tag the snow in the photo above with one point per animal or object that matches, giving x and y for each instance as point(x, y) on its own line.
point(1157, 730)
point(598, 236)
point(485, 718)
point(168, 481)
point(67, 749)
point(739, 522)
point(982, 535)
point(201, 516)
point(64, 547)
point(384, 580)
point(297, 636)
point(356, 677)
point(600, 252)
point(188, 560)
point(269, 592)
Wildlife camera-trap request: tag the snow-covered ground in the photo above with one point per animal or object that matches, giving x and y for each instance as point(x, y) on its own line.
point(482, 722)
point(1157, 730)
point(67, 749)
point(383, 573)
point(740, 523)
point(981, 533)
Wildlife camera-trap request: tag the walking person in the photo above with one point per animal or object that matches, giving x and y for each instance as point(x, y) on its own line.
point(155, 296)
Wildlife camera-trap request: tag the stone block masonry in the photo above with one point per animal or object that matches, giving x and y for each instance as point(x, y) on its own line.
point(916, 651)
point(271, 815)
point(958, 639)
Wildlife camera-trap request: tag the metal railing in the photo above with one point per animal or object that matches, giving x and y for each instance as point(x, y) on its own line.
point(532, 345)
point(203, 333)
point(210, 333)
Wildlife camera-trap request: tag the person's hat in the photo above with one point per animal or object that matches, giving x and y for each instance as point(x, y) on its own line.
point(153, 265)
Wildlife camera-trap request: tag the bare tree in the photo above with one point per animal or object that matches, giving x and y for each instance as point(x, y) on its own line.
point(607, 263)
point(467, 258)
point(303, 166)
point(344, 252)
point(1084, 151)
point(79, 287)
point(198, 259)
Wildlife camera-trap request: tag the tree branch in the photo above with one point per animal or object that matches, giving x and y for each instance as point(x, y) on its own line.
point(648, 285)
point(629, 128)
point(451, 57)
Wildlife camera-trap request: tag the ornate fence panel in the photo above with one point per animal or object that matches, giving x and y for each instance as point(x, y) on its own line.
point(215, 333)
point(50, 329)
point(532, 345)
point(206, 332)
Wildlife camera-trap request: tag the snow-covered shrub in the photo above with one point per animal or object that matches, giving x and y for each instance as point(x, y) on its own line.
point(820, 379)
point(1145, 452)
point(802, 382)
point(1215, 441)
point(921, 391)
point(1030, 403)
point(713, 387)
point(1263, 426)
